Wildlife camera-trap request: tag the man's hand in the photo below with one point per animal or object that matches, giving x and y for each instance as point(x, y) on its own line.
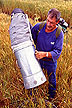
point(40, 54)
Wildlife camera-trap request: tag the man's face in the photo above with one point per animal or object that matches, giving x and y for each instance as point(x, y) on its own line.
point(51, 23)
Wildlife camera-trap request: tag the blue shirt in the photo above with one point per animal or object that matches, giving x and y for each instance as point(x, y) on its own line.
point(48, 42)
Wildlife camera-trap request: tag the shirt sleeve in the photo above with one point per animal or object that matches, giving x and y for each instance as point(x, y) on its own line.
point(57, 47)
point(34, 31)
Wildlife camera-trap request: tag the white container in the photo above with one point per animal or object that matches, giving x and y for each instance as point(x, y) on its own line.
point(31, 71)
point(21, 41)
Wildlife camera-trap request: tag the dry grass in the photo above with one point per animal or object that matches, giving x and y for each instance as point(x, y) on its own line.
point(12, 92)
point(39, 7)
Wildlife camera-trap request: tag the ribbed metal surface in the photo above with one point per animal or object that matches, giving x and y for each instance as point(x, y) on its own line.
point(31, 71)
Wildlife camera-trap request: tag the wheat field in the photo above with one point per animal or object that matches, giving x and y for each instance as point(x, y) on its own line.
point(12, 91)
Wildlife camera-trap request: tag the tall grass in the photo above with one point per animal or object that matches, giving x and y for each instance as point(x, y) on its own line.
point(39, 7)
point(12, 92)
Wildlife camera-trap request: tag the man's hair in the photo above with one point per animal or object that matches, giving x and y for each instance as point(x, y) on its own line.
point(54, 13)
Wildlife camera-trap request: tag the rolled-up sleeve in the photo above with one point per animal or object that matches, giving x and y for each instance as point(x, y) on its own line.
point(57, 47)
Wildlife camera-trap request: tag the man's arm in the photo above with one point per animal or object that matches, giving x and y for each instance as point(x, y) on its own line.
point(41, 54)
point(57, 47)
point(34, 32)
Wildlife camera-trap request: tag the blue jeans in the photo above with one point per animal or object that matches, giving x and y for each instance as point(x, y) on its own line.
point(50, 66)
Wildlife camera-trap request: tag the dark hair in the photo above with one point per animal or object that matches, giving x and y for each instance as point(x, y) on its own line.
point(54, 13)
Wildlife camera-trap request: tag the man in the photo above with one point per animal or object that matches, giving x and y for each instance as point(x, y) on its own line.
point(48, 47)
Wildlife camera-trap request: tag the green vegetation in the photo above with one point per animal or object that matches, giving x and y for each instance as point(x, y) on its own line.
point(12, 92)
